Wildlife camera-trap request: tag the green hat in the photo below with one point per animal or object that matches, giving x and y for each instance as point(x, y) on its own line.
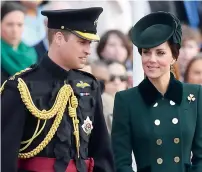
point(155, 29)
point(81, 22)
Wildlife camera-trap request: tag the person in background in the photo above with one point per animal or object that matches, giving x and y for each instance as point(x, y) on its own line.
point(100, 71)
point(118, 80)
point(42, 47)
point(160, 120)
point(129, 61)
point(191, 42)
point(193, 72)
point(15, 54)
point(34, 30)
point(114, 45)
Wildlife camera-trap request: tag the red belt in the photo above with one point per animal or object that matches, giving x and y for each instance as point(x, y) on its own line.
point(42, 164)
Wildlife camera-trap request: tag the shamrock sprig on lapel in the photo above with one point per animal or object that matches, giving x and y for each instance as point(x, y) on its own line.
point(191, 98)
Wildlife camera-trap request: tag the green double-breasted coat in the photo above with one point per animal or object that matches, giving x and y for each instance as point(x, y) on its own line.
point(160, 130)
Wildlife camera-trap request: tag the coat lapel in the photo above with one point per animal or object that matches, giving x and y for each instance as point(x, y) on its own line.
point(150, 94)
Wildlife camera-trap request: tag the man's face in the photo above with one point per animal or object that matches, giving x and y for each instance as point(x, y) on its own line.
point(74, 51)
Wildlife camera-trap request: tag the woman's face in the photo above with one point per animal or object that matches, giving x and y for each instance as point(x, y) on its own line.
point(157, 61)
point(115, 49)
point(118, 79)
point(12, 27)
point(195, 72)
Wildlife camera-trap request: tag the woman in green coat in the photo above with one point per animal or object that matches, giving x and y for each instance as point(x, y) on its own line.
point(160, 120)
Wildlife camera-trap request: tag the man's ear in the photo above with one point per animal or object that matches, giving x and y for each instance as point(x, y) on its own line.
point(58, 38)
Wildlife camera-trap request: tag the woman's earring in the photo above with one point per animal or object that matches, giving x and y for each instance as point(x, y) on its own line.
point(172, 69)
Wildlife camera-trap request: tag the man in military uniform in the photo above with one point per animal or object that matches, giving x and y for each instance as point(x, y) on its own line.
point(52, 119)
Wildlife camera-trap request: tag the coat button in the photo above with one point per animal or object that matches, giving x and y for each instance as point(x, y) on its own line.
point(172, 103)
point(159, 161)
point(176, 140)
point(174, 120)
point(155, 105)
point(157, 122)
point(177, 159)
point(159, 142)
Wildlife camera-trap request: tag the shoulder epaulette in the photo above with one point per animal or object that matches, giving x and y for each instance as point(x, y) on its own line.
point(85, 73)
point(20, 73)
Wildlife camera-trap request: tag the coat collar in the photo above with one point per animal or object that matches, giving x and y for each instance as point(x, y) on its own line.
point(150, 94)
point(55, 70)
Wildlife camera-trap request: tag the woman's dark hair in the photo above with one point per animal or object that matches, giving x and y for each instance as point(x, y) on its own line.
point(175, 49)
point(196, 58)
point(10, 6)
point(105, 37)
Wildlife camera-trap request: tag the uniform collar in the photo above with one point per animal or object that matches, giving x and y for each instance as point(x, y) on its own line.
point(54, 69)
point(150, 94)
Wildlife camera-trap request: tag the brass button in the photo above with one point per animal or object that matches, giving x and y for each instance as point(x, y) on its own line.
point(176, 140)
point(159, 142)
point(177, 159)
point(157, 122)
point(159, 161)
point(175, 121)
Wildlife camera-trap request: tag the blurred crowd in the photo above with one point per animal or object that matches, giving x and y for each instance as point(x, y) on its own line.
point(24, 41)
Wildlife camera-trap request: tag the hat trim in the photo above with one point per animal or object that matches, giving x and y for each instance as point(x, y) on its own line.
point(87, 36)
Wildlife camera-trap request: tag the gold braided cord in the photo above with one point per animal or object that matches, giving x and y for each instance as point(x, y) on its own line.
point(2, 87)
point(18, 73)
point(73, 104)
point(48, 137)
point(12, 78)
point(26, 141)
point(44, 114)
point(31, 139)
point(65, 94)
point(36, 134)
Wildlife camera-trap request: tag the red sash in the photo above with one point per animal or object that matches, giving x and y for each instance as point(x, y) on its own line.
point(43, 164)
